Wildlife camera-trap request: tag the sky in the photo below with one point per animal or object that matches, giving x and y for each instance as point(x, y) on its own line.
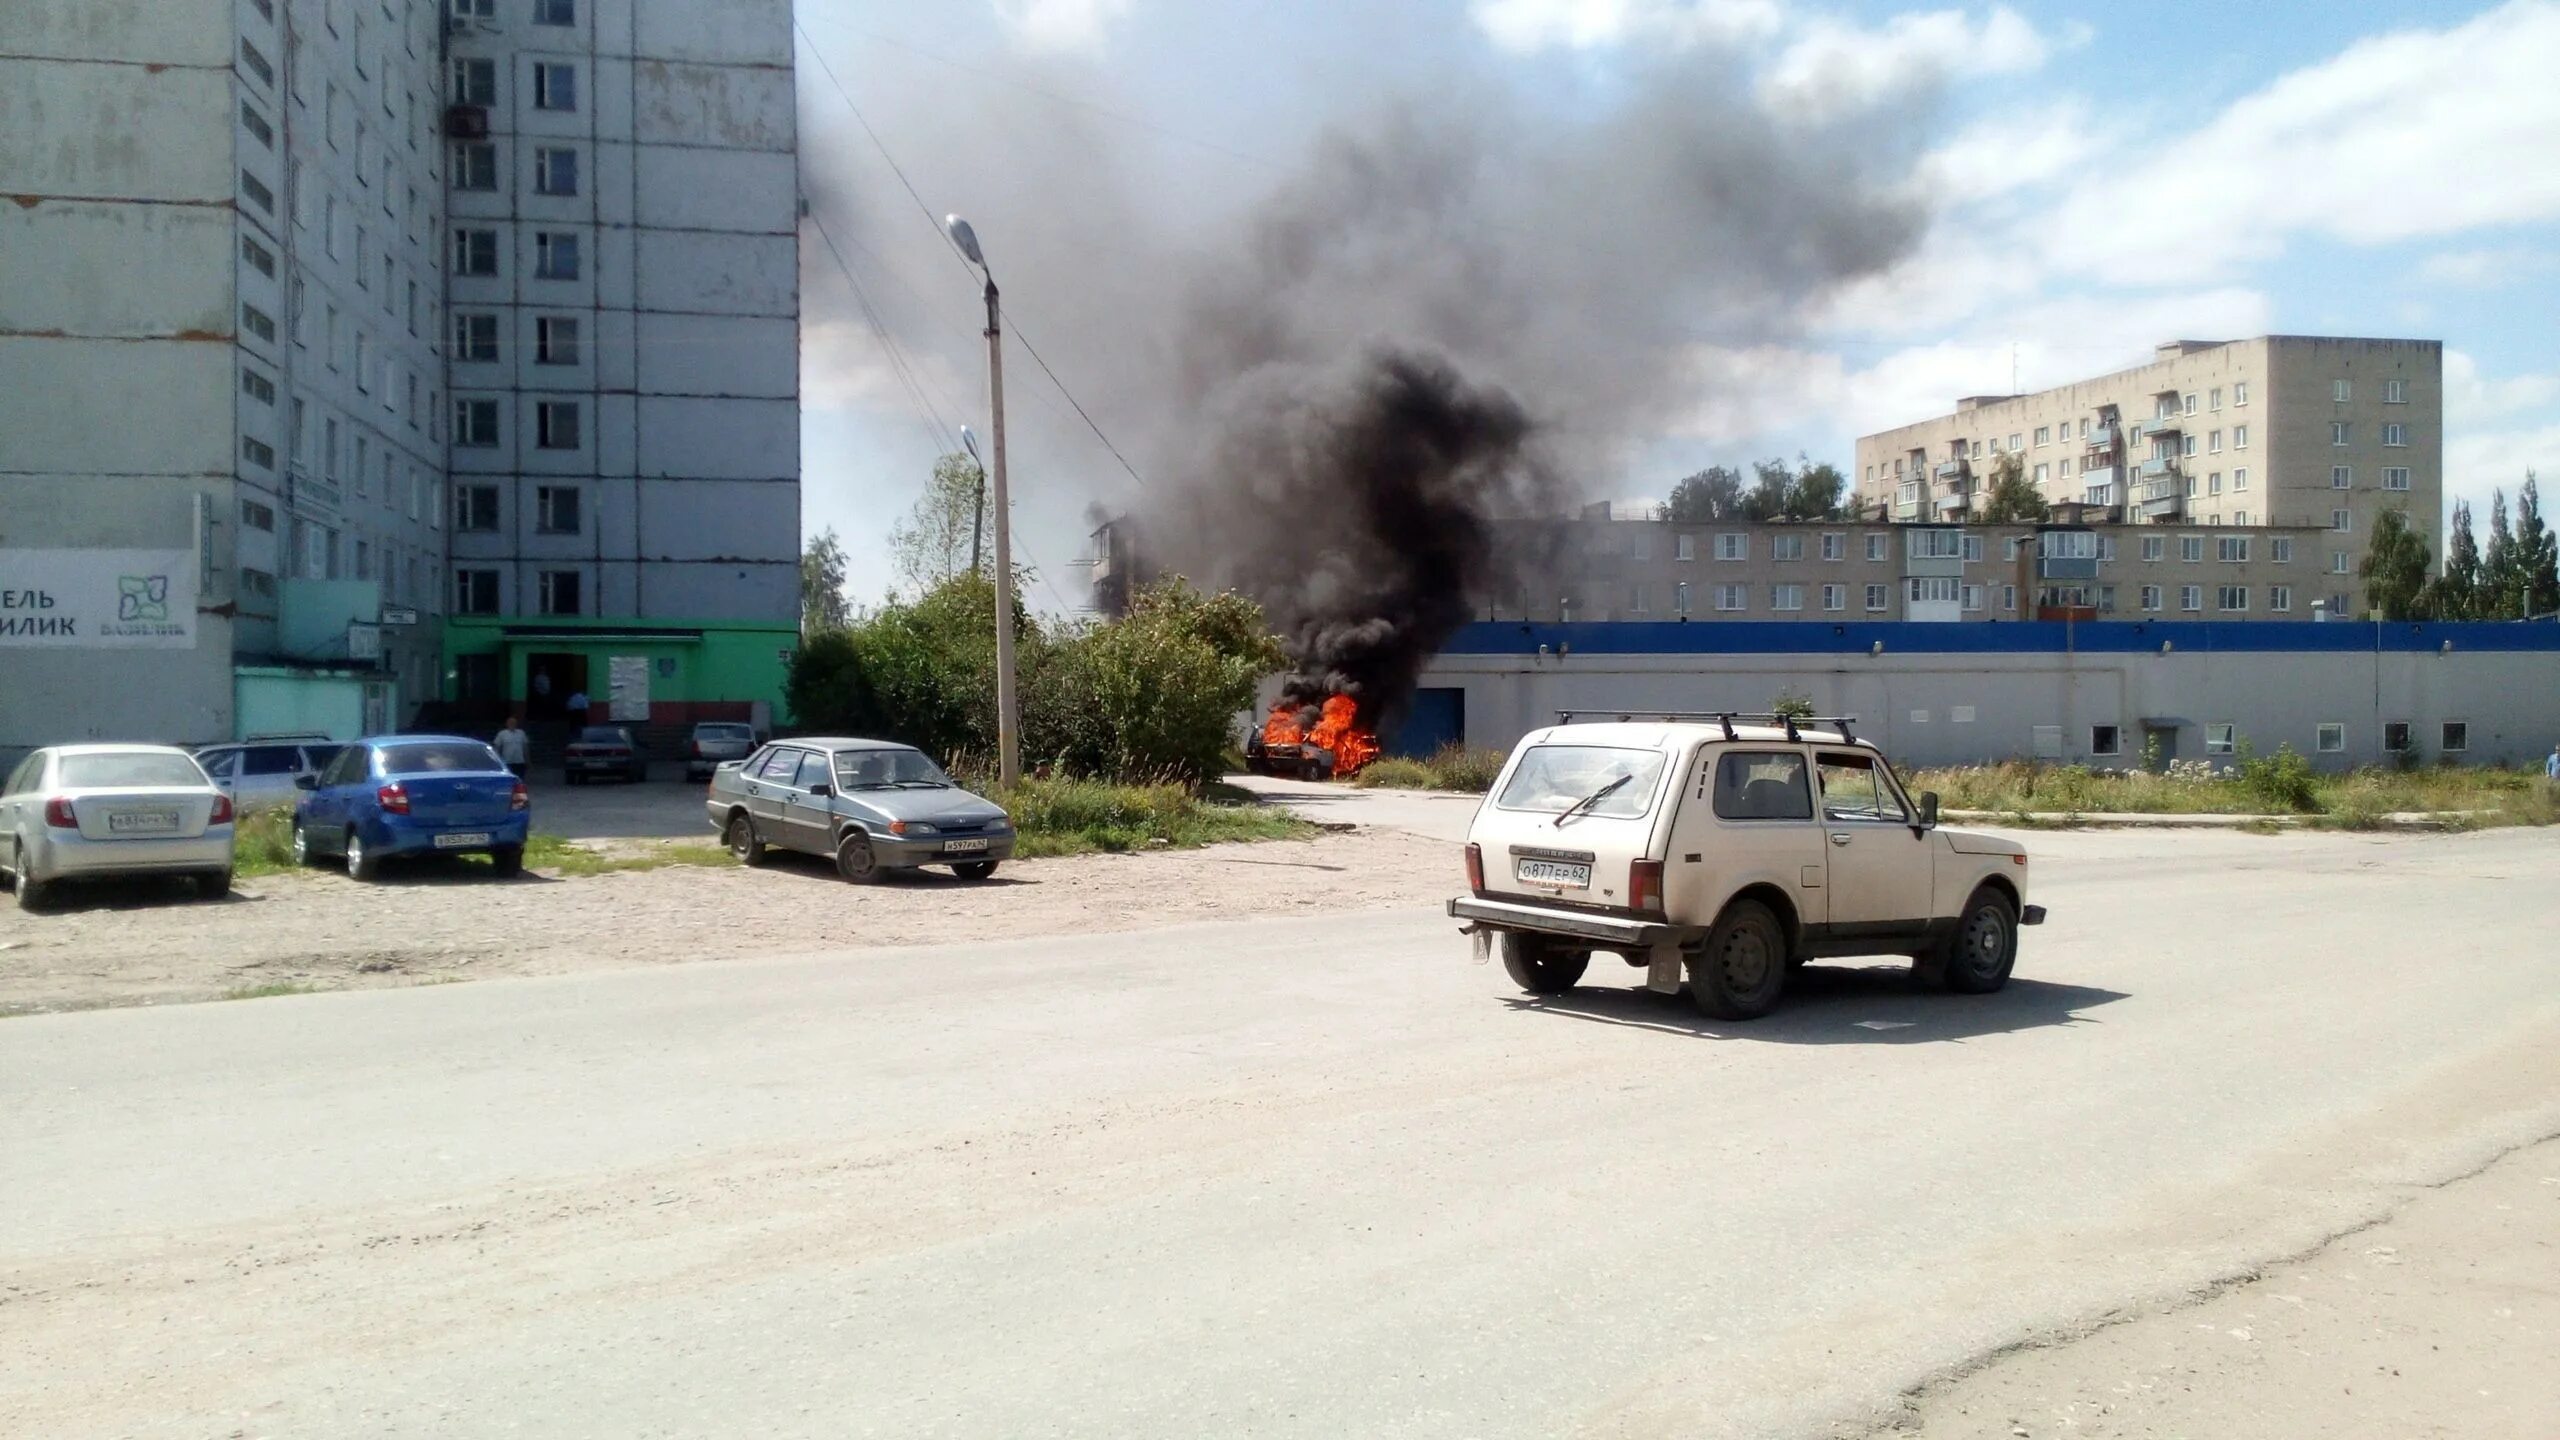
point(2090, 180)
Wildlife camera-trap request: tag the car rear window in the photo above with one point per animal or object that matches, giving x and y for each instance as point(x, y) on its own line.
point(103, 772)
point(600, 735)
point(725, 732)
point(1551, 778)
point(428, 757)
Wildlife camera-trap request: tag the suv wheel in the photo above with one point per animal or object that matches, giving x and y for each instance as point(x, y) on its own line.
point(1739, 972)
point(855, 860)
point(1977, 959)
point(1541, 966)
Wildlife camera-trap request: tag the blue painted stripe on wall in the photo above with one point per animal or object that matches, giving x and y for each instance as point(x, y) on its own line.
point(1980, 637)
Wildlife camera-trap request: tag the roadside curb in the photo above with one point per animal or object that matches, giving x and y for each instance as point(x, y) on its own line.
point(2106, 820)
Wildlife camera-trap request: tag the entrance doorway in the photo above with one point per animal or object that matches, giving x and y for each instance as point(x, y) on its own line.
point(550, 678)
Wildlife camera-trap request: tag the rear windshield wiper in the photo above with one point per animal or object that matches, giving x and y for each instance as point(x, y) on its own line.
point(1594, 798)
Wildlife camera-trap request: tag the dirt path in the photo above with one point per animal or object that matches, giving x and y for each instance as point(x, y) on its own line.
point(323, 931)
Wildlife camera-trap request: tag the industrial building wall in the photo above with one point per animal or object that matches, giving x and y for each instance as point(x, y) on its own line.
point(2497, 685)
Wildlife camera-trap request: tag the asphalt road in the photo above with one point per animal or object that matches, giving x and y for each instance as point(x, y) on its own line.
point(1285, 1178)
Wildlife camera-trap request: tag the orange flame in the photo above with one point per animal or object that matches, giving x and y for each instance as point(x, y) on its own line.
point(1338, 731)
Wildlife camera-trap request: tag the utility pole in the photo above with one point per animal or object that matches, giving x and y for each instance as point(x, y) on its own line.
point(1008, 724)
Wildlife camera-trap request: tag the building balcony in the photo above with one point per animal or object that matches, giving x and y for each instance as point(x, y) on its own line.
point(1953, 469)
point(2158, 426)
point(2102, 438)
point(2161, 499)
point(2158, 467)
point(2093, 476)
point(1956, 503)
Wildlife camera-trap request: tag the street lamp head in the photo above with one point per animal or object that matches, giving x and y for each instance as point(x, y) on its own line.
point(969, 441)
point(966, 239)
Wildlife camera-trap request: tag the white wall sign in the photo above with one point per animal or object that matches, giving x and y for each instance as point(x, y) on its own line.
point(98, 599)
point(629, 686)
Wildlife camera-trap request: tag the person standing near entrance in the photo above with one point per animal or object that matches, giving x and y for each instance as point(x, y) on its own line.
point(578, 706)
point(512, 744)
point(541, 689)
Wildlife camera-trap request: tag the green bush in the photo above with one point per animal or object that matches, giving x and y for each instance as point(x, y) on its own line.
point(2284, 779)
point(1068, 817)
point(1397, 772)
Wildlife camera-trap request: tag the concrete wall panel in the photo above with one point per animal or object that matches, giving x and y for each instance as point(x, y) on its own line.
point(718, 105)
point(115, 131)
point(719, 274)
point(77, 398)
point(717, 520)
point(743, 32)
point(149, 32)
point(719, 190)
point(756, 357)
point(719, 439)
point(96, 269)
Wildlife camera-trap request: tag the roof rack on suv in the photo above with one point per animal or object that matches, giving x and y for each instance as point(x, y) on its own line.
point(1724, 718)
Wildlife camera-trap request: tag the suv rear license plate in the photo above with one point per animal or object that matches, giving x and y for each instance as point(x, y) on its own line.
point(1555, 872)
point(142, 822)
point(954, 847)
point(462, 841)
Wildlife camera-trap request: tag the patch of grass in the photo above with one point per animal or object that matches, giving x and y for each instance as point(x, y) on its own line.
point(1451, 767)
point(270, 991)
point(1078, 817)
point(2281, 784)
point(571, 860)
point(262, 843)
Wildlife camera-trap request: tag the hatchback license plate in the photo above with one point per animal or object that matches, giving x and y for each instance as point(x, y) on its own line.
point(953, 847)
point(1555, 872)
point(462, 841)
point(142, 822)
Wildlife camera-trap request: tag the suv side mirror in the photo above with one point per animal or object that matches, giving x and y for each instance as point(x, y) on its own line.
point(1928, 809)
point(306, 782)
point(821, 791)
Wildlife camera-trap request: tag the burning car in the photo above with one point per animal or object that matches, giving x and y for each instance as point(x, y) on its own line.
point(1311, 742)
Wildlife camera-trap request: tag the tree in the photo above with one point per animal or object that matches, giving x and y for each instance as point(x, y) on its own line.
point(946, 529)
point(1772, 488)
point(1816, 491)
point(2009, 497)
point(2499, 595)
point(2537, 562)
point(2456, 592)
point(1714, 493)
point(822, 577)
point(2395, 568)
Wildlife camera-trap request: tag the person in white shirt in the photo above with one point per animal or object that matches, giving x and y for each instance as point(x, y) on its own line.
point(511, 745)
point(578, 706)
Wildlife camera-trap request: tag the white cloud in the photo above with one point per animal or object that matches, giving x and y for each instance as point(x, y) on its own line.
point(2423, 132)
point(2471, 399)
point(2021, 149)
point(843, 366)
point(2480, 269)
point(1837, 68)
point(1527, 26)
point(2477, 462)
point(1080, 26)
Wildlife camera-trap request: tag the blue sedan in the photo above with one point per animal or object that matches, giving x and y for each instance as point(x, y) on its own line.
point(401, 795)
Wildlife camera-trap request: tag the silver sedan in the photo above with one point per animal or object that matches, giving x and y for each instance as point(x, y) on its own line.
point(78, 812)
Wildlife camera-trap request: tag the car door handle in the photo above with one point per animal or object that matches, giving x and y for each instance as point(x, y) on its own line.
point(1837, 839)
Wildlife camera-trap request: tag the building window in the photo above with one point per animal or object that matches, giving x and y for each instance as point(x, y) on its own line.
point(2280, 549)
point(560, 592)
point(2232, 549)
point(1680, 598)
point(2213, 483)
point(1835, 597)
point(1685, 547)
point(2338, 563)
point(2395, 737)
point(475, 252)
point(2331, 737)
point(2191, 597)
point(2150, 597)
point(2395, 434)
point(1636, 600)
point(2191, 549)
point(2009, 548)
point(2395, 477)
point(257, 387)
point(475, 165)
point(556, 425)
point(2341, 391)
point(2221, 738)
point(475, 592)
point(2044, 436)
point(1876, 599)
point(363, 465)
point(2239, 480)
point(2239, 392)
point(2009, 598)
point(555, 170)
point(475, 424)
point(257, 452)
point(2280, 597)
point(1876, 547)
point(2342, 521)
point(555, 12)
point(260, 258)
point(2233, 598)
point(475, 82)
point(2187, 446)
point(1930, 544)
point(475, 9)
point(1835, 547)
point(2213, 442)
point(1786, 547)
point(475, 336)
point(475, 509)
point(2342, 477)
point(1786, 597)
point(558, 515)
point(2338, 432)
point(2105, 740)
point(555, 86)
point(1973, 597)
point(2395, 392)
point(556, 343)
point(555, 255)
point(1733, 597)
point(1733, 547)
point(258, 64)
point(1643, 546)
point(259, 129)
point(2016, 442)
point(2457, 736)
point(2155, 547)
point(2239, 437)
point(257, 322)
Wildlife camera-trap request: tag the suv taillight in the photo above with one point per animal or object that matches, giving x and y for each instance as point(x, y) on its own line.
point(1644, 885)
point(57, 813)
point(517, 799)
point(393, 798)
point(221, 810)
point(1475, 869)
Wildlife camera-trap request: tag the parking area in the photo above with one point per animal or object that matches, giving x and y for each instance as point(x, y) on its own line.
point(666, 806)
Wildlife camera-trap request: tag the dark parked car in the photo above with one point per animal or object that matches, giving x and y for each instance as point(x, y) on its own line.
point(606, 750)
point(714, 741)
point(401, 795)
point(870, 805)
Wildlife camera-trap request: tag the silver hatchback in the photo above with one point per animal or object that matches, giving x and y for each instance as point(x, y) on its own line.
point(77, 812)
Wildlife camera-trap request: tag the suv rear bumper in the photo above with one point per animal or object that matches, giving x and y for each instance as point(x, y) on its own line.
point(1614, 931)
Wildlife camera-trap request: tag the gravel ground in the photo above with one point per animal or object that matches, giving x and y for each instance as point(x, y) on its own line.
point(434, 924)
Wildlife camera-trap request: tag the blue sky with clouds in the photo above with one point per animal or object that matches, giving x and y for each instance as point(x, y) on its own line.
point(2103, 177)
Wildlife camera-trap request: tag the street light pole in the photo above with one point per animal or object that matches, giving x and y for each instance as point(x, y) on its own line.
point(1008, 725)
point(977, 506)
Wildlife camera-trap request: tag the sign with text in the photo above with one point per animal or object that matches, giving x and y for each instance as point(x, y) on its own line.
point(629, 677)
point(98, 599)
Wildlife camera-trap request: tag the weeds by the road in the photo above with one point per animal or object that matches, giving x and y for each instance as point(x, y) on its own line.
point(270, 991)
point(1076, 817)
point(2283, 784)
point(1451, 767)
point(262, 843)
